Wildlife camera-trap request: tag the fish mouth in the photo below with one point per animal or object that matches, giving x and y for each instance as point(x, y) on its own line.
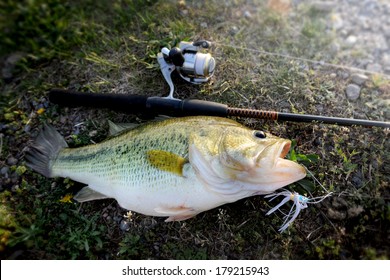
point(287, 171)
point(273, 171)
point(271, 154)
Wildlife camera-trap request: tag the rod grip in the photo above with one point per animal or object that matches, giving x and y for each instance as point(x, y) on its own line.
point(121, 102)
point(187, 107)
point(138, 103)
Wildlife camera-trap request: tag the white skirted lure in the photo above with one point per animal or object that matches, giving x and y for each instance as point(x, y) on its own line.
point(300, 202)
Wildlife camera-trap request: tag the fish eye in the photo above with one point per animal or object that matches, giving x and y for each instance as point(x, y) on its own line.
point(259, 134)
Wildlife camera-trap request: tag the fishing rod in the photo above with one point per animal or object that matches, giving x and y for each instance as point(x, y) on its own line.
point(132, 103)
point(195, 67)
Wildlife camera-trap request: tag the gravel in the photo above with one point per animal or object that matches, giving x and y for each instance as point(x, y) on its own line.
point(363, 26)
point(362, 38)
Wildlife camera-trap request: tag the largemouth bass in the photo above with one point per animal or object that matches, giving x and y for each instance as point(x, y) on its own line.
point(175, 168)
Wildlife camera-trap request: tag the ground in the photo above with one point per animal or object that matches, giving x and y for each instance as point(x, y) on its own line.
point(111, 46)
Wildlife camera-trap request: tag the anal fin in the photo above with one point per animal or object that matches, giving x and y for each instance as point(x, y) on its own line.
point(88, 194)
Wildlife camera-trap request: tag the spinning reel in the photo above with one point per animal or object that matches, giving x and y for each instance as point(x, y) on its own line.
point(192, 65)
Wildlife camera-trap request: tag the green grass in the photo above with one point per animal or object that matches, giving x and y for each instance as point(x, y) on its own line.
point(111, 46)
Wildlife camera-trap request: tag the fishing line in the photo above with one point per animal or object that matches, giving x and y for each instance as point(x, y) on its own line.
point(316, 180)
point(312, 61)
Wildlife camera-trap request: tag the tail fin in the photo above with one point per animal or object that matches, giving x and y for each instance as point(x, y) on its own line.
point(45, 150)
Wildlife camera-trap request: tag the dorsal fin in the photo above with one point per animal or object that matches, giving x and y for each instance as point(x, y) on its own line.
point(167, 161)
point(116, 128)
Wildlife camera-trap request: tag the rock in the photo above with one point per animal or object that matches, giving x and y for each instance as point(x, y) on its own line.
point(184, 12)
point(339, 202)
point(357, 180)
point(124, 225)
point(336, 215)
point(374, 67)
point(15, 188)
point(386, 59)
point(351, 40)
point(148, 223)
point(353, 92)
point(4, 171)
point(92, 133)
point(320, 108)
point(12, 161)
point(247, 14)
point(359, 79)
point(233, 30)
point(343, 74)
point(355, 211)
point(323, 6)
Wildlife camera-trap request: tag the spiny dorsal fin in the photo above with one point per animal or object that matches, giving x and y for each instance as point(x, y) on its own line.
point(116, 128)
point(167, 161)
point(88, 194)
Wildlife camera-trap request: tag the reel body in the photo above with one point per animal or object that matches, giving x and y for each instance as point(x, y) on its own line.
point(192, 65)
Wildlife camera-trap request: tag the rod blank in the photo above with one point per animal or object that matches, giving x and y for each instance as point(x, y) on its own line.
point(278, 116)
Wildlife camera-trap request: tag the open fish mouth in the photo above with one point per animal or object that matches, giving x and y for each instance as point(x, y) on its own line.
point(287, 171)
point(270, 155)
point(273, 170)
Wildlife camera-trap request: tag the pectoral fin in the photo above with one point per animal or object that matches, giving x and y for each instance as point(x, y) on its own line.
point(88, 194)
point(167, 161)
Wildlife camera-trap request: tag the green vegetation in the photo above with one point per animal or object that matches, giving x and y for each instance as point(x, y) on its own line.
point(111, 46)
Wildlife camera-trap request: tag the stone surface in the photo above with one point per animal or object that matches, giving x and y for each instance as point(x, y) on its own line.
point(12, 161)
point(359, 79)
point(323, 6)
point(355, 211)
point(336, 215)
point(353, 92)
point(124, 225)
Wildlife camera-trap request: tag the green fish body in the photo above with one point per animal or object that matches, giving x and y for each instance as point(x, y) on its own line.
point(176, 168)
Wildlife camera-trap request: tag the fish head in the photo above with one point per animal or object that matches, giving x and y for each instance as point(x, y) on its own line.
point(257, 160)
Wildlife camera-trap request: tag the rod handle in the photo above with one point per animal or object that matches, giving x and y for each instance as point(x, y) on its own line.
point(121, 102)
